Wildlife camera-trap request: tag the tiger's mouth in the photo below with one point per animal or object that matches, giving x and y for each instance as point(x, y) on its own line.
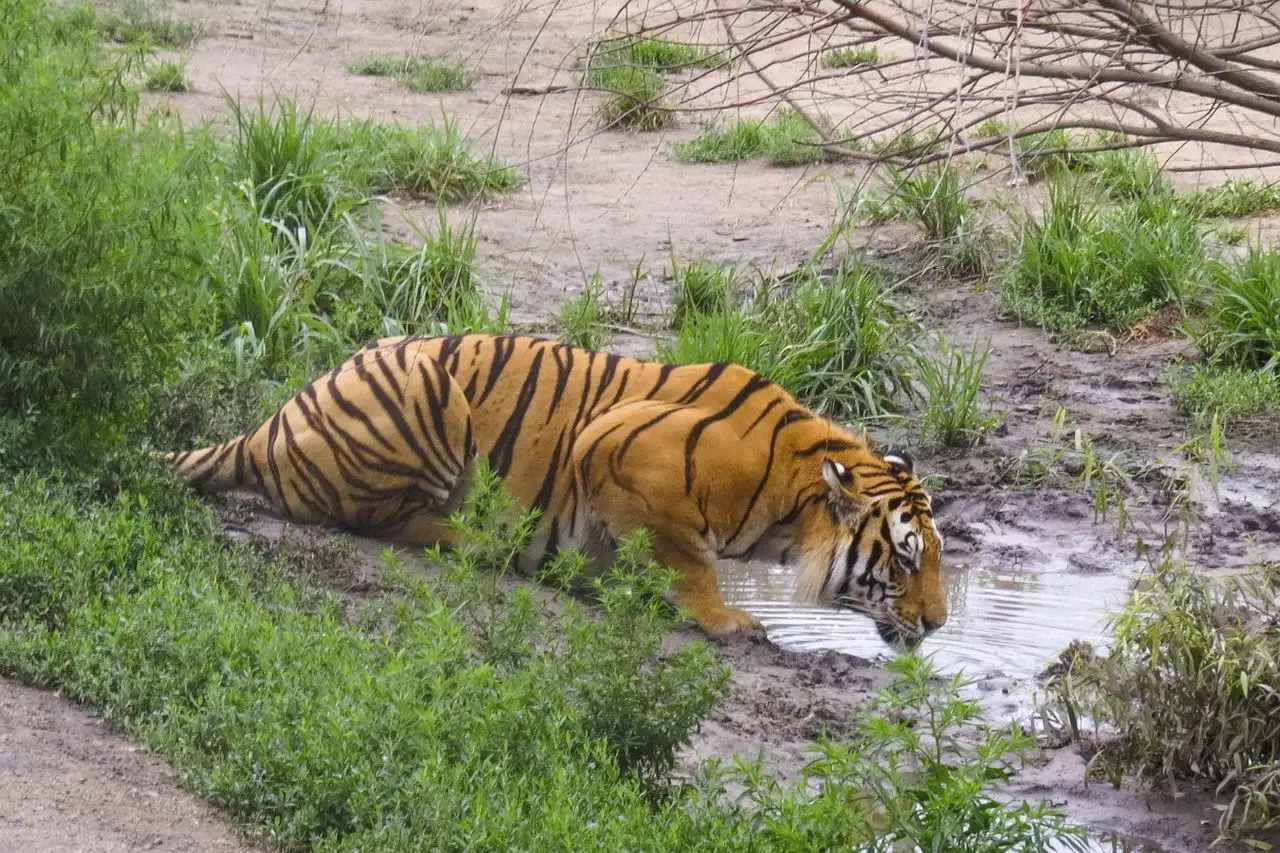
point(896, 637)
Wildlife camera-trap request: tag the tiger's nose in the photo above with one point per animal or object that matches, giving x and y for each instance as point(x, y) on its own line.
point(930, 626)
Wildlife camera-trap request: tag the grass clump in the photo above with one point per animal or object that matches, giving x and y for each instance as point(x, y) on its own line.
point(954, 412)
point(1242, 328)
point(1238, 397)
point(1233, 199)
point(432, 162)
point(785, 140)
point(702, 288)
point(139, 21)
point(581, 317)
point(635, 99)
point(1082, 265)
point(414, 74)
point(855, 56)
point(167, 76)
point(838, 342)
point(1191, 685)
point(660, 55)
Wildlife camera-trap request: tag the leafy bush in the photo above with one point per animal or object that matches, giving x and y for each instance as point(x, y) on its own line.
point(837, 342)
point(907, 781)
point(102, 231)
point(1083, 266)
point(785, 140)
point(1191, 687)
point(329, 737)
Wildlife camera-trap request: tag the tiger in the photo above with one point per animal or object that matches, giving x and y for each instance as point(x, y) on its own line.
point(713, 461)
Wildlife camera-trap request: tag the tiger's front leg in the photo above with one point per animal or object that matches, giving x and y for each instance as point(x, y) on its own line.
point(630, 465)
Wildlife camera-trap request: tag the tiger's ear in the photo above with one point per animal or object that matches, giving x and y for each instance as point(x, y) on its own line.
point(843, 496)
point(899, 461)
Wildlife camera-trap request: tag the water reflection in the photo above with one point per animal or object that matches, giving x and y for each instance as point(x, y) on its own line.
point(1112, 842)
point(1011, 619)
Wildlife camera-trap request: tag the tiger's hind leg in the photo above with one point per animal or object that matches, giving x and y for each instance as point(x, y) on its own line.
point(633, 478)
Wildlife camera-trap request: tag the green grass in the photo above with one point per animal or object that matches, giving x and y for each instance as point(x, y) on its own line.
point(167, 76)
point(414, 74)
point(139, 21)
point(1190, 686)
point(581, 318)
point(785, 140)
point(658, 55)
point(1242, 400)
point(954, 412)
point(293, 170)
point(1130, 174)
point(456, 711)
point(857, 56)
point(634, 96)
point(1233, 199)
point(839, 342)
point(1083, 265)
point(1242, 328)
point(909, 142)
point(432, 162)
point(702, 288)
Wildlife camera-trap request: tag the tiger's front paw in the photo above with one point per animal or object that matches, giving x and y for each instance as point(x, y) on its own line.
point(726, 621)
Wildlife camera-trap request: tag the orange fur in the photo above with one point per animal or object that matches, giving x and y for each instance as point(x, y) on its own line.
point(713, 460)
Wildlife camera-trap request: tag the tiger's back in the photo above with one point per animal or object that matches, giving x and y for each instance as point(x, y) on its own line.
point(711, 459)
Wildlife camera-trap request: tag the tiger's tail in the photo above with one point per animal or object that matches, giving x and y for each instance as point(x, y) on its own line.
point(218, 468)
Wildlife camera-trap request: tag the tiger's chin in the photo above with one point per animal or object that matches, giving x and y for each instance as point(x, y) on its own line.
point(898, 638)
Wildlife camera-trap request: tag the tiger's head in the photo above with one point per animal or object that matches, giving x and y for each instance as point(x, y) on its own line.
point(877, 550)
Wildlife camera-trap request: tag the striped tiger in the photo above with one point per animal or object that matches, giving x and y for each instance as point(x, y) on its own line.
point(713, 460)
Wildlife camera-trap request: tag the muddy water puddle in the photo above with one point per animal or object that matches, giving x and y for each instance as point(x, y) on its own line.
point(1005, 619)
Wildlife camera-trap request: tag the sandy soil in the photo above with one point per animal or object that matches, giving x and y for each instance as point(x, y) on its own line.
point(69, 784)
point(615, 202)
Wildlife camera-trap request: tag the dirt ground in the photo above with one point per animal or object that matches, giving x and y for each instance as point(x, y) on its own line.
point(616, 202)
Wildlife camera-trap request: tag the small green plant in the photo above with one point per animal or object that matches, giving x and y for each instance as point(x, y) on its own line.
point(1233, 199)
point(839, 342)
point(140, 21)
point(433, 162)
point(785, 140)
point(954, 411)
point(580, 317)
point(702, 288)
point(1190, 685)
point(168, 76)
point(855, 56)
point(1082, 265)
point(1231, 235)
